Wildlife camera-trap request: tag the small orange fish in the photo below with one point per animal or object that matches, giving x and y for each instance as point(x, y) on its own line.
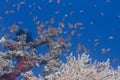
point(79, 47)
point(39, 28)
point(59, 30)
point(70, 25)
point(6, 35)
point(79, 35)
point(104, 50)
point(84, 49)
point(60, 39)
point(6, 12)
point(73, 32)
point(53, 30)
point(61, 24)
point(78, 24)
point(58, 1)
point(13, 28)
point(37, 22)
point(46, 22)
point(44, 31)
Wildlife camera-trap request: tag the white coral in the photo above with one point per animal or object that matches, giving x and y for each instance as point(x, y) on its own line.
point(82, 68)
point(2, 40)
point(16, 53)
point(30, 76)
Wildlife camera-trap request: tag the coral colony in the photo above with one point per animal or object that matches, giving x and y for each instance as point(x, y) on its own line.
point(24, 48)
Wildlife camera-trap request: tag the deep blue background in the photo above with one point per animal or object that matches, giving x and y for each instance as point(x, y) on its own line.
point(104, 16)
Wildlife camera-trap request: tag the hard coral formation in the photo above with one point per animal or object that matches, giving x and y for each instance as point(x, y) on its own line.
point(25, 52)
point(83, 69)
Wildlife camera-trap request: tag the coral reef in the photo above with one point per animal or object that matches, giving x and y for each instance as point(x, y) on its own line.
point(25, 49)
point(83, 69)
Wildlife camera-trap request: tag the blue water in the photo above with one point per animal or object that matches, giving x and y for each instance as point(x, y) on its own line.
point(100, 19)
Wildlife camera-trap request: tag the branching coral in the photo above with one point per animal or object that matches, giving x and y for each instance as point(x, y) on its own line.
point(83, 69)
point(30, 76)
point(25, 52)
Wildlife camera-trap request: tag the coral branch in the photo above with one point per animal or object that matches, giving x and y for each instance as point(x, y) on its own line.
point(24, 64)
point(25, 51)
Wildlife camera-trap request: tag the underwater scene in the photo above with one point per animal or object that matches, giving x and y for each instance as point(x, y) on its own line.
point(59, 39)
